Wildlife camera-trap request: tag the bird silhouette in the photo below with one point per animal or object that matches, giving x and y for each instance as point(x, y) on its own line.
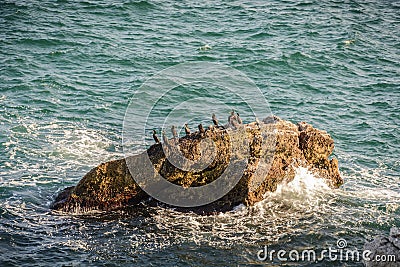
point(165, 138)
point(231, 117)
point(232, 120)
point(214, 119)
point(155, 137)
point(187, 130)
point(201, 129)
point(258, 123)
point(239, 120)
point(174, 133)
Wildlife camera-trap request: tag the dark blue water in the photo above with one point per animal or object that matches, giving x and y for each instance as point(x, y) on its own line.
point(68, 70)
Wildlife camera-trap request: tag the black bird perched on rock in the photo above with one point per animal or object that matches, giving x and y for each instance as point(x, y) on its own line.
point(271, 119)
point(201, 129)
point(231, 117)
point(232, 120)
point(174, 133)
point(155, 137)
point(214, 119)
point(187, 130)
point(257, 123)
point(239, 120)
point(165, 138)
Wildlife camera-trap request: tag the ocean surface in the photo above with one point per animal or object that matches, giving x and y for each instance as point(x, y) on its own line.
point(68, 70)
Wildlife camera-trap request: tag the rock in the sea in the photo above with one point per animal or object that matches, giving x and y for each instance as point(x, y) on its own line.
point(112, 186)
point(385, 251)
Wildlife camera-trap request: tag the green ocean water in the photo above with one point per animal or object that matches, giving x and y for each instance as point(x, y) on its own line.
point(69, 68)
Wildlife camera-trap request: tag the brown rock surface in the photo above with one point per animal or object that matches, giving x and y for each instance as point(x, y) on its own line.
point(111, 185)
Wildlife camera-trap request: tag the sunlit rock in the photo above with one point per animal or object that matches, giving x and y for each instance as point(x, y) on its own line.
point(271, 150)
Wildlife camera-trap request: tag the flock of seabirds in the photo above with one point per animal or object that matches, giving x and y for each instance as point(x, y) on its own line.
point(234, 121)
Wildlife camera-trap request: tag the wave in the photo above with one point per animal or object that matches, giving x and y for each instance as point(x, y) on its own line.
point(63, 151)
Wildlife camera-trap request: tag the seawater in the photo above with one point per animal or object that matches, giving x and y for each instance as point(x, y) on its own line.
point(68, 70)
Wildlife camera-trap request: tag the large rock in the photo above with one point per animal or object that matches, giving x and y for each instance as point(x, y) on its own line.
point(384, 251)
point(112, 186)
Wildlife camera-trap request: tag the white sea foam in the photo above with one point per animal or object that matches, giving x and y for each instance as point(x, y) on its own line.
point(80, 144)
point(304, 193)
point(269, 220)
point(69, 146)
point(304, 184)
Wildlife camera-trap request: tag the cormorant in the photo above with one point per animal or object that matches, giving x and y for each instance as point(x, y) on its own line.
point(187, 130)
point(165, 138)
point(238, 118)
point(155, 137)
point(233, 120)
point(201, 129)
point(231, 117)
point(174, 133)
point(214, 119)
point(257, 123)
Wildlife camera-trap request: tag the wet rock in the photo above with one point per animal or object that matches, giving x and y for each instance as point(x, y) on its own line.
point(385, 251)
point(272, 150)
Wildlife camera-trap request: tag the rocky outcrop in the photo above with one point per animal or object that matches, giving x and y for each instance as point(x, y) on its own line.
point(112, 186)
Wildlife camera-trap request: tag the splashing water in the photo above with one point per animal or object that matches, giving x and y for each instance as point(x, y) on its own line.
point(66, 82)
